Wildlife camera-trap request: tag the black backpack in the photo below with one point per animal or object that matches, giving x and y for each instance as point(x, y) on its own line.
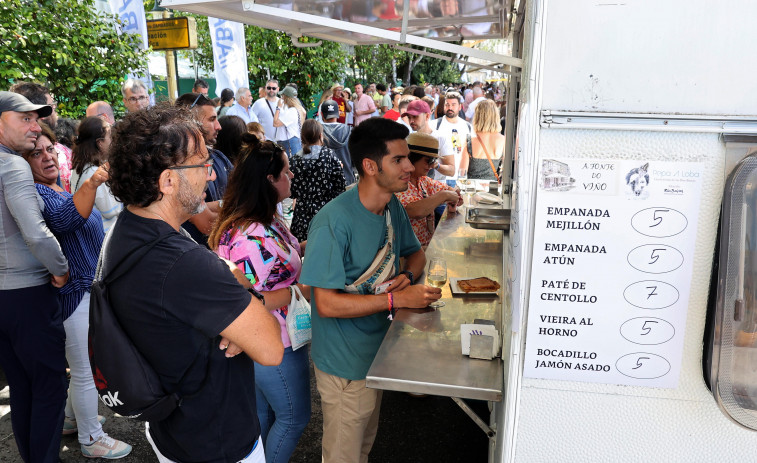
point(125, 381)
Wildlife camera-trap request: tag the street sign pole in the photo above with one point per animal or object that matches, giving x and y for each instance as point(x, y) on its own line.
point(172, 34)
point(172, 79)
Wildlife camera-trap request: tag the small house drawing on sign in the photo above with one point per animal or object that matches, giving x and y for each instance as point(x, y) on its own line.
point(555, 175)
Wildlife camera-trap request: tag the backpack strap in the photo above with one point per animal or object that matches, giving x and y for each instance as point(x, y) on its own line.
point(126, 264)
point(121, 267)
point(439, 123)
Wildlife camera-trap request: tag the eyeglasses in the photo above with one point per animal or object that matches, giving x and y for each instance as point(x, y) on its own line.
point(199, 95)
point(208, 165)
point(134, 99)
point(272, 88)
point(430, 161)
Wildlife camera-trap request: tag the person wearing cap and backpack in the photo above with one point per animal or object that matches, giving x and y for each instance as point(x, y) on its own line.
point(32, 339)
point(335, 136)
point(418, 114)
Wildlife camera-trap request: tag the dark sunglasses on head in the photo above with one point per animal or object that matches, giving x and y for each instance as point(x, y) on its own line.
point(200, 95)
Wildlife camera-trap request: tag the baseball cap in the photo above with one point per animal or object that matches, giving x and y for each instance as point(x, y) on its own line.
point(10, 101)
point(417, 107)
point(423, 144)
point(329, 109)
point(289, 91)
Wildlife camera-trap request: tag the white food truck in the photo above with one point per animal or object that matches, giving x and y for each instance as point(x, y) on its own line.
point(627, 314)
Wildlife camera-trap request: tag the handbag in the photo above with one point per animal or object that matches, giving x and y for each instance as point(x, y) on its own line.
point(125, 381)
point(298, 319)
point(381, 268)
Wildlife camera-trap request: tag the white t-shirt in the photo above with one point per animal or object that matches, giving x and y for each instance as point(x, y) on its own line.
point(349, 118)
point(455, 136)
point(264, 110)
point(472, 107)
point(289, 117)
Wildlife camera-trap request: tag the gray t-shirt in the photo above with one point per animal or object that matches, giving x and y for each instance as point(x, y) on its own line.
point(29, 252)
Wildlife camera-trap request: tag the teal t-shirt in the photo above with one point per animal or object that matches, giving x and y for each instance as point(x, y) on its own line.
point(344, 238)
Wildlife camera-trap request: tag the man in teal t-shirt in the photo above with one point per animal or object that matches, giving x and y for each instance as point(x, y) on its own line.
point(348, 327)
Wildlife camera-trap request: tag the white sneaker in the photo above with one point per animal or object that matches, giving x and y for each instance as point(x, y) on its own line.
point(106, 447)
point(70, 426)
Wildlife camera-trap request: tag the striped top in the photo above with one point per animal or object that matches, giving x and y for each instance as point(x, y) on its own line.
point(80, 239)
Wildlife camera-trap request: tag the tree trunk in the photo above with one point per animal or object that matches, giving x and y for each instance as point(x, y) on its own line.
point(394, 71)
point(411, 65)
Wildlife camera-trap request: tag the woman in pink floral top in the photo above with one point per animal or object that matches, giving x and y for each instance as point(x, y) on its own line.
point(423, 193)
point(250, 234)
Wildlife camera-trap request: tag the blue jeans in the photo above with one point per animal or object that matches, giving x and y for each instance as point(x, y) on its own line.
point(283, 403)
point(291, 146)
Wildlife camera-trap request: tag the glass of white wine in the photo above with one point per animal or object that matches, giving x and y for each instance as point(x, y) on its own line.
point(437, 277)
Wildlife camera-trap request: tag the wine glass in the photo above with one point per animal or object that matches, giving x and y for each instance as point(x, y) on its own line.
point(462, 176)
point(437, 277)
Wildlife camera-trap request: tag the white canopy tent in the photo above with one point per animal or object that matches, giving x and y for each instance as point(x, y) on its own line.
point(432, 24)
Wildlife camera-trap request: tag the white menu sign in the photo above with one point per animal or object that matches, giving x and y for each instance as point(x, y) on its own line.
point(612, 265)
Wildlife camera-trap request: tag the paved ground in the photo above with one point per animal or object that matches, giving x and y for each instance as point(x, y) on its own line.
point(417, 430)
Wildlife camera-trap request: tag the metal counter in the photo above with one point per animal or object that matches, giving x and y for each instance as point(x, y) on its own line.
point(421, 352)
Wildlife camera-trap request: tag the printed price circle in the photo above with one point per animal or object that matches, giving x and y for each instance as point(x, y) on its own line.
point(659, 222)
point(643, 365)
point(655, 258)
point(647, 331)
point(651, 294)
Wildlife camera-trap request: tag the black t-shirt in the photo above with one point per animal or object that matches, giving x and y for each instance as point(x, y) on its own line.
point(173, 304)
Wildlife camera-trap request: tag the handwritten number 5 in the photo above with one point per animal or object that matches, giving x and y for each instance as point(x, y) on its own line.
point(646, 328)
point(655, 257)
point(657, 218)
point(638, 363)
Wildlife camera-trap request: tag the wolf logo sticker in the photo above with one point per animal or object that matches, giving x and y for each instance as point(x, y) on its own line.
point(637, 180)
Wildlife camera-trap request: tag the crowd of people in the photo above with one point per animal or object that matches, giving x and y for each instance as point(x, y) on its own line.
point(207, 179)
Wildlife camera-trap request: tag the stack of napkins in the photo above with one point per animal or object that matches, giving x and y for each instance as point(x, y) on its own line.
point(483, 197)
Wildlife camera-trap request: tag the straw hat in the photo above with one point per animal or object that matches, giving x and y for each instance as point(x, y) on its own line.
point(423, 144)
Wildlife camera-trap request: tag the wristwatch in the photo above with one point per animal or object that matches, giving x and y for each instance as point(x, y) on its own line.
point(409, 275)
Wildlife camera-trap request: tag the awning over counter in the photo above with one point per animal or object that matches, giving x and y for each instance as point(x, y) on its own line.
point(427, 23)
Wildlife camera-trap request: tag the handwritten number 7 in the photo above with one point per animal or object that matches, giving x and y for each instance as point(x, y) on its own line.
point(657, 218)
point(653, 293)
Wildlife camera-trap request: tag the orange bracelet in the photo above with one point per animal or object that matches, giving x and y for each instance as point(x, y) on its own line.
point(390, 301)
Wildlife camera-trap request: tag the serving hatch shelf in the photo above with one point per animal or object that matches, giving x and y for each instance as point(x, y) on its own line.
point(421, 351)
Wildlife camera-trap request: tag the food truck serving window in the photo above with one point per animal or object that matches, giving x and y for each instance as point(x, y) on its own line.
point(731, 350)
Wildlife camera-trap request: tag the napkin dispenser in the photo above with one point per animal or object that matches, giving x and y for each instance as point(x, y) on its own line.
point(480, 339)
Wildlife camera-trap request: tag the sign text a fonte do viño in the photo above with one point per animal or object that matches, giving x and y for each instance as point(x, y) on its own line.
point(172, 33)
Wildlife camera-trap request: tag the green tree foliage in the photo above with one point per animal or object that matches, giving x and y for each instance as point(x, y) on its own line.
point(379, 63)
point(436, 71)
point(68, 46)
point(312, 69)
